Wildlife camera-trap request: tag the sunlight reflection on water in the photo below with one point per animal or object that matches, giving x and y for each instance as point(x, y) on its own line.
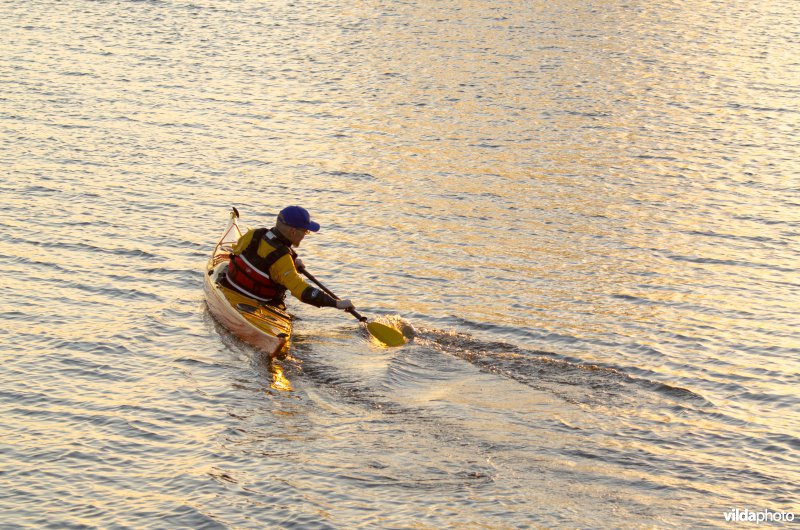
point(588, 213)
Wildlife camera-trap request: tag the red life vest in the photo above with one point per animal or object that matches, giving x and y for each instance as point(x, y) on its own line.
point(248, 272)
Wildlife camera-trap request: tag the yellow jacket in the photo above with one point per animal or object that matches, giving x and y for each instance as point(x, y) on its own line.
point(282, 271)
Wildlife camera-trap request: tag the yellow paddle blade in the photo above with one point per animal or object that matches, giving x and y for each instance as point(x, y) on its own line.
point(386, 334)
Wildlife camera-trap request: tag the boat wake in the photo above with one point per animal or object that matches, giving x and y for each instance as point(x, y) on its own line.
point(568, 378)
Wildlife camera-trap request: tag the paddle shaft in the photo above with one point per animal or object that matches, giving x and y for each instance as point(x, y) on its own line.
point(330, 293)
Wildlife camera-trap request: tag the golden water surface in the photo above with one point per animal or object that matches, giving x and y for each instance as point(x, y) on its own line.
point(589, 212)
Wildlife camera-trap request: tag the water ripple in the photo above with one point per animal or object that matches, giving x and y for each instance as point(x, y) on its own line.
point(588, 213)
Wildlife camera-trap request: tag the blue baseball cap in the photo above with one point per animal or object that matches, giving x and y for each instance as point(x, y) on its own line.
point(298, 217)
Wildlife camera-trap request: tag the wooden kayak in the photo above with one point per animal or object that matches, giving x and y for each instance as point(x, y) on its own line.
point(264, 327)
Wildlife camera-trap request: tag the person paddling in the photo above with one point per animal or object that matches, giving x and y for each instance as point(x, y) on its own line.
point(264, 265)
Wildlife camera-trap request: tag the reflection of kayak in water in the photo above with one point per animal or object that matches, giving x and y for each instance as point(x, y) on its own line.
point(265, 327)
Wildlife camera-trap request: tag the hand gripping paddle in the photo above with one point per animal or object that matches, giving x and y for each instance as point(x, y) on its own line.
point(385, 334)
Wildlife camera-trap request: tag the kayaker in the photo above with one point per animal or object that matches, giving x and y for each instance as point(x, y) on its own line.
point(264, 266)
